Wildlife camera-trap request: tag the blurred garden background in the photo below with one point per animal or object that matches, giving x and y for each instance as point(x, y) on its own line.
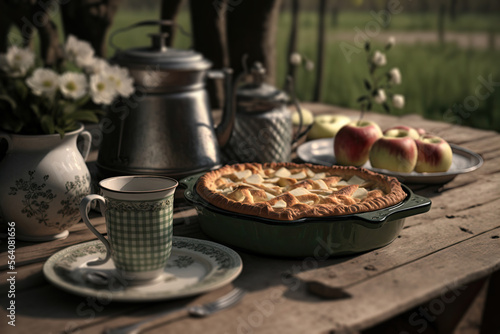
point(445, 50)
point(448, 51)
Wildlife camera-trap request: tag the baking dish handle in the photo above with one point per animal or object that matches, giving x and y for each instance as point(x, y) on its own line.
point(189, 183)
point(415, 204)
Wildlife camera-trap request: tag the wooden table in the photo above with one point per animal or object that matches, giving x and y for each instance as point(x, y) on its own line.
point(434, 268)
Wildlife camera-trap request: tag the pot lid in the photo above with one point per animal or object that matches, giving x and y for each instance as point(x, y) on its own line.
point(158, 55)
point(258, 91)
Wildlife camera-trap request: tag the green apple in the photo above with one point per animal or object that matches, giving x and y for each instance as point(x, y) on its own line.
point(307, 117)
point(399, 130)
point(397, 153)
point(353, 142)
point(434, 154)
point(327, 126)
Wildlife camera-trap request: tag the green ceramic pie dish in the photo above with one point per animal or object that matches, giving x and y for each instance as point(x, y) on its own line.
point(316, 237)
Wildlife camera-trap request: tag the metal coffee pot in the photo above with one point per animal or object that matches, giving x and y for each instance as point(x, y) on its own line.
point(166, 126)
point(263, 130)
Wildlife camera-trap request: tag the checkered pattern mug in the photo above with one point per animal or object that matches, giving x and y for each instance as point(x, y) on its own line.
point(138, 212)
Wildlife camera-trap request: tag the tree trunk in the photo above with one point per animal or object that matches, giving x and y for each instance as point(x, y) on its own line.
point(292, 44)
point(89, 20)
point(169, 10)
point(321, 52)
point(209, 38)
point(453, 10)
point(335, 15)
point(251, 31)
point(440, 24)
point(28, 17)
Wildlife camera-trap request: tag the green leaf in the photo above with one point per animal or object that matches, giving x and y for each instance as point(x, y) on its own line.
point(386, 107)
point(83, 101)
point(11, 123)
point(362, 98)
point(21, 88)
point(36, 110)
point(60, 131)
point(84, 116)
point(69, 109)
point(368, 86)
point(10, 101)
point(47, 123)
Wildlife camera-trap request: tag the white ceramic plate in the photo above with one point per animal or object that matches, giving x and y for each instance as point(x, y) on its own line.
point(195, 266)
point(320, 151)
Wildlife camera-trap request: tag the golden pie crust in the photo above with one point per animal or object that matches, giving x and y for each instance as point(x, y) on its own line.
point(271, 190)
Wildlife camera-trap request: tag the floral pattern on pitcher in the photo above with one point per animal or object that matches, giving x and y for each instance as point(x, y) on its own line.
point(37, 199)
point(75, 191)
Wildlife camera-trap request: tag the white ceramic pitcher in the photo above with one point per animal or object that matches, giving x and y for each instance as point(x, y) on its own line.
point(43, 178)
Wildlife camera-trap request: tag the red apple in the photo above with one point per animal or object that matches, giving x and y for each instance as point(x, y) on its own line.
point(353, 142)
point(395, 153)
point(421, 131)
point(434, 154)
point(395, 131)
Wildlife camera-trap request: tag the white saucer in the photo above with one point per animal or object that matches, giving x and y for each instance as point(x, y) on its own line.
point(195, 266)
point(320, 151)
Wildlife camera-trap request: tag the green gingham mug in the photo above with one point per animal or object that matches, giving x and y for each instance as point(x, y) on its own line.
point(138, 212)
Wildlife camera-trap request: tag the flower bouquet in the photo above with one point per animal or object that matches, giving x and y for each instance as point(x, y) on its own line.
point(37, 100)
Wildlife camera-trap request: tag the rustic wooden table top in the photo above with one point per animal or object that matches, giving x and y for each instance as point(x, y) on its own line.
point(436, 255)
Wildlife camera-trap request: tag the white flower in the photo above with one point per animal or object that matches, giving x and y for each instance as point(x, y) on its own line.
point(309, 65)
point(391, 41)
point(123, 83)
point(379, 58)
point(395, 76)
point(43, 82)
point(398, 101)
point(379, 96)
point(295, 59)
point(97, 65)
point(73, 85)
point(102, 89)
point(17, 61)
point(79, 52)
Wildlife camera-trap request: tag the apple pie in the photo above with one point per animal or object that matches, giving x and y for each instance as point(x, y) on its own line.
point(288, 191)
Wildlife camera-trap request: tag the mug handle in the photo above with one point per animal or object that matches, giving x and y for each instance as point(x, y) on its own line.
point(87, 140)
point(84, 210)
point(9, 143)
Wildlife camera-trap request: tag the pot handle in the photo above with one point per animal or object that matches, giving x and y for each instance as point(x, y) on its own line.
point(8, 140)
point(87, 140)
point(300, 132)
point(84, 211)
point(142, 24)
point(224, 129)
point(415, 204)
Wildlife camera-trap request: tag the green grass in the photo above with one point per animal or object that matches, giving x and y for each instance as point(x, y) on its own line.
point(435, 78)
point(414, 21)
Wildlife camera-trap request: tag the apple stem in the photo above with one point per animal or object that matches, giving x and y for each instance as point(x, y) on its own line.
point(361, 116)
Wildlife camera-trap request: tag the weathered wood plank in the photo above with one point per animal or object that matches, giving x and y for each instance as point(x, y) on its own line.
point(413, 243)
point(28, 252)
